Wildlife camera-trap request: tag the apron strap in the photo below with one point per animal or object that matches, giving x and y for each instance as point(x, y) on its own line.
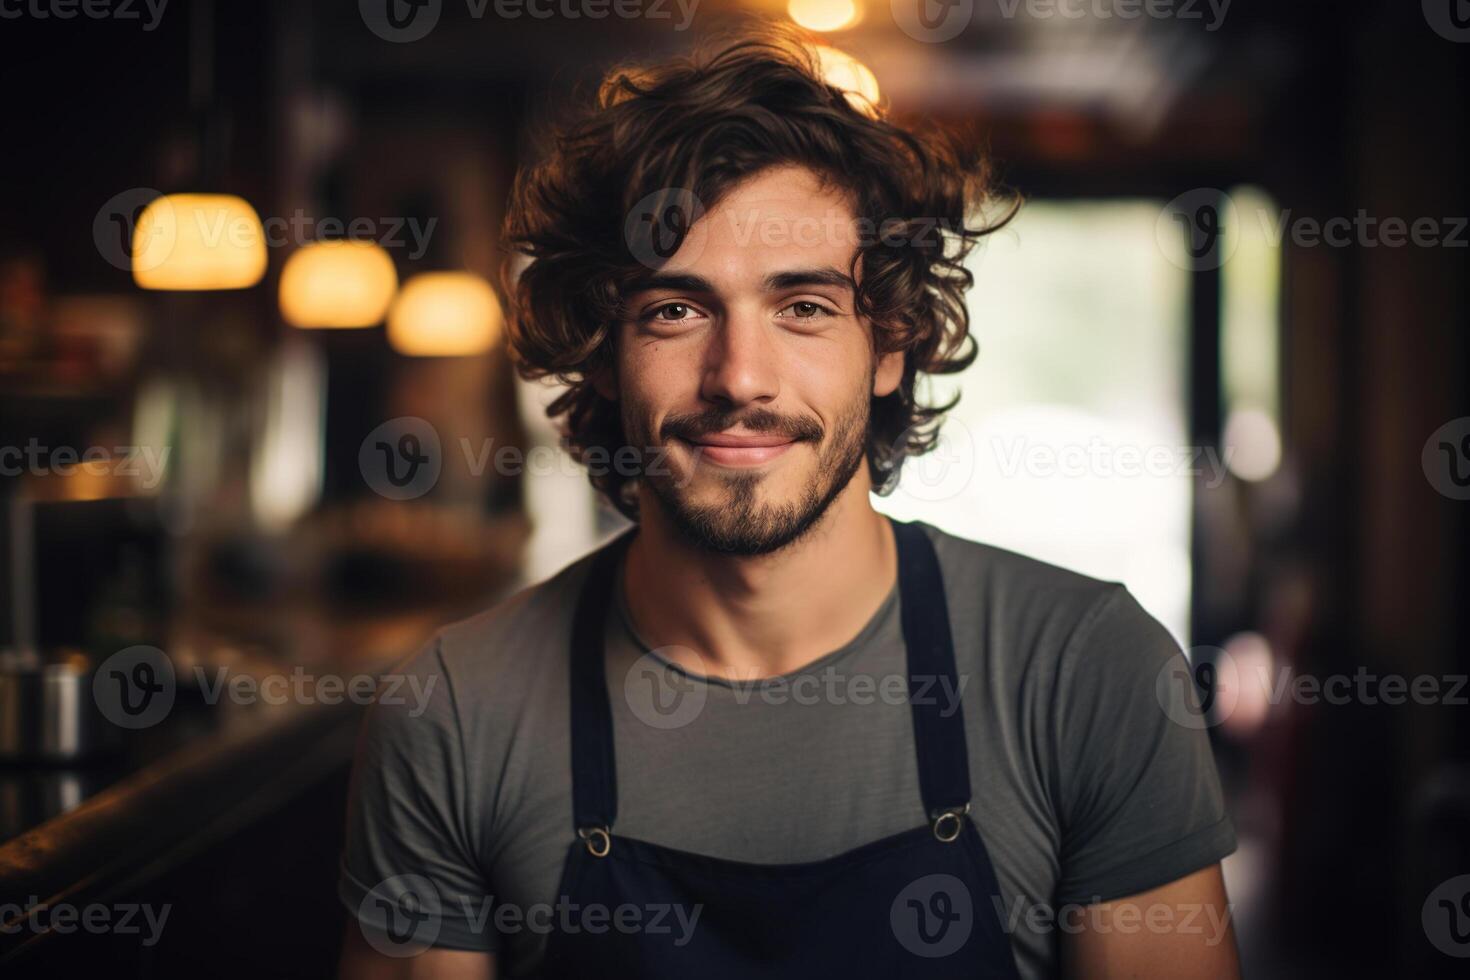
point(594, 769)
point(944, 762)
point(944, 768)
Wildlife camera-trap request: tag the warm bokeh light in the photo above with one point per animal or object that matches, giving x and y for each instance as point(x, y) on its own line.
point(1248, 686)
point(337, 284)
point(843, 71)
point(1252, 444)
point(824, 15)
point(444, 314)
point(198, 241)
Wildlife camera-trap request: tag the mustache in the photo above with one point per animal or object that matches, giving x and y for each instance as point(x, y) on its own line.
point(692, 425)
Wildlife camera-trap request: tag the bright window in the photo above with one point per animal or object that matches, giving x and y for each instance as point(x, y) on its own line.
point(1070, 440)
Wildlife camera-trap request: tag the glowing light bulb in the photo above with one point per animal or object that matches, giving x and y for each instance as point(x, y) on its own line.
point(841, 70)
point(198, 241)
point(337, 284)
point(824, 15)
point(444, 314)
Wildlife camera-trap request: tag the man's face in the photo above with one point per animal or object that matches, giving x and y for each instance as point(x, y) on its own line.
point(742, 360)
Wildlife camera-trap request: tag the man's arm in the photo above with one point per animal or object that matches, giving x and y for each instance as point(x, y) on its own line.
point(408, 845)
point(1181, 930)
point(360, 961)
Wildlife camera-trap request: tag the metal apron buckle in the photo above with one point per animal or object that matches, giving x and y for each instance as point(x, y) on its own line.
point(599, 840)
point(949, 823)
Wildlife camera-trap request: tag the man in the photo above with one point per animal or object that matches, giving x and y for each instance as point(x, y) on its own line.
point(769, 732)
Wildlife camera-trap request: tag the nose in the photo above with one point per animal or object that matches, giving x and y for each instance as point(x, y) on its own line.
point(741, 363)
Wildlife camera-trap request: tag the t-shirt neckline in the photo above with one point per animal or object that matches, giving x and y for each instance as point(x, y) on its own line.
point(887, 608)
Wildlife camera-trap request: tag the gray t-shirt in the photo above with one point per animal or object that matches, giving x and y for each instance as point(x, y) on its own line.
point(1085, 790)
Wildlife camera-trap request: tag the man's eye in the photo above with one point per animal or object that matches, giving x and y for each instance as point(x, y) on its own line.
point(804, 309)
point(671, 311)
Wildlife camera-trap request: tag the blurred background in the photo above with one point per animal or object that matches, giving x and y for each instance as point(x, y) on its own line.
point(259, 434)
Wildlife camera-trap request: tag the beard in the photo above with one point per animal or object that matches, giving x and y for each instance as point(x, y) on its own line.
point(739, 523)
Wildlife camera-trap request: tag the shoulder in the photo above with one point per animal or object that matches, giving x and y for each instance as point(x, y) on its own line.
point(518, 634)
point(1016, 588)
point(1032, 609)
point(492, 667)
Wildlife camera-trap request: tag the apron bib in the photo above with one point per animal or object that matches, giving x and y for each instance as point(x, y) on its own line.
point(923, 903)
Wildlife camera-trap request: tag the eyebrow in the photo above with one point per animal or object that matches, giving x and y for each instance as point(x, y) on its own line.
point(809, 277)
point(688, 282)
point(682, 282)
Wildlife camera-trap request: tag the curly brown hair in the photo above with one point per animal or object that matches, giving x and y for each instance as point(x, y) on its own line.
point(690, 130)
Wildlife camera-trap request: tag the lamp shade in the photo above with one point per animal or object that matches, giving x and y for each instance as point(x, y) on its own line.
point(337, 284)
point(198, 241)
point(444, 314)
point(824, 15)
point(841, 70)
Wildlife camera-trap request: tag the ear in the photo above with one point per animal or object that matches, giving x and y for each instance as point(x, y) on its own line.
point(889, 373)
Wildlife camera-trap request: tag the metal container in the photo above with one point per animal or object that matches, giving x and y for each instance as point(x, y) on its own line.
point(47, 710)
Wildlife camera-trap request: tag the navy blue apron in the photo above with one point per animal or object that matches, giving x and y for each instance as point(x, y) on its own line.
point(922, 903)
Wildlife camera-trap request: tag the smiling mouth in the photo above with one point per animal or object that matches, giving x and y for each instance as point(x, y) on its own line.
point(740, 449)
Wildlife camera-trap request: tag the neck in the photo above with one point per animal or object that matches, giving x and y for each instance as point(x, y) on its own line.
point(745, 618)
